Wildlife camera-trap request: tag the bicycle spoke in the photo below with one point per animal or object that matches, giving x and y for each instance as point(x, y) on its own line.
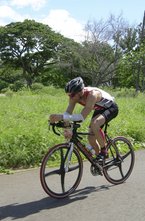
point(120, 169)
point(62, 181)
point(70, 169)
point(126, 155)
point(62, 170)
point(62, 158)
point(52, 173)
point(108, 164)
point(119, 165)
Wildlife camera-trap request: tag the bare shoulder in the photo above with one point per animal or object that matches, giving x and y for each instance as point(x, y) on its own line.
point(95, 95)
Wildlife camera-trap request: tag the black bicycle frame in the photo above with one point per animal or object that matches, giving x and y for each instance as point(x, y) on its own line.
point(83, 150)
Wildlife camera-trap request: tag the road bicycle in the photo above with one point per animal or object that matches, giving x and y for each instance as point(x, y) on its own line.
point(62, 167)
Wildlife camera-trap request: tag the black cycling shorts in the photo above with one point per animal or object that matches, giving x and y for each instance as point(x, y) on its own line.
point(108, 113)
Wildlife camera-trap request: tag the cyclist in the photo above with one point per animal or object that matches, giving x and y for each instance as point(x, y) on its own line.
point(92, 98)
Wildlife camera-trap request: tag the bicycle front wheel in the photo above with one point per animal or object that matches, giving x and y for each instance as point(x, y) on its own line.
point(61, 171)
point(119, 165)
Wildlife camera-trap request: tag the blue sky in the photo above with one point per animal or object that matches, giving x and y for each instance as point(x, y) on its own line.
point(70, 16)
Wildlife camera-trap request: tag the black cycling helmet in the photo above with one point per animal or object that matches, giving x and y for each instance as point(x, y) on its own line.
point(74, 86)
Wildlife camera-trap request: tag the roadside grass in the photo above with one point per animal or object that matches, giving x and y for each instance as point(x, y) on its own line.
point(24, 133)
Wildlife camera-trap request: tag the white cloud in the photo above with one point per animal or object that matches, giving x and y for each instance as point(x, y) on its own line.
point(7, 12)
point(2, 23)
point(62, 22)
point(8, 15)
point(59, 20)
point(35, 4)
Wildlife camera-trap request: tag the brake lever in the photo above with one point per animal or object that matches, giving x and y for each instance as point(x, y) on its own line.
point(49, 125)
point(59, 124)
point(53, 128)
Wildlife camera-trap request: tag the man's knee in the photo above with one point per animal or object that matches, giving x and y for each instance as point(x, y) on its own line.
point(91, 133)
point(97, 123)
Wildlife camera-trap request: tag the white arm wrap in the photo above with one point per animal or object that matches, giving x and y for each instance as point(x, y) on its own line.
point(73, 117)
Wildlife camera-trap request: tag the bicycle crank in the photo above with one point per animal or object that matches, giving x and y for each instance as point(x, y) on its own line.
point(95, 171)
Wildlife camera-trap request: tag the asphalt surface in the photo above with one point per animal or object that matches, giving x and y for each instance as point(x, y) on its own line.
point(22, 197)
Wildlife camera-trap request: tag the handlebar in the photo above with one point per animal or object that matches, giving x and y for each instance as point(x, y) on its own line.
point(62, 124)
point(54, 125)
point(74, 126)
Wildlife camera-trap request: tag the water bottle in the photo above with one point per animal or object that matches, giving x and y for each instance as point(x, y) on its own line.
point(90, 149)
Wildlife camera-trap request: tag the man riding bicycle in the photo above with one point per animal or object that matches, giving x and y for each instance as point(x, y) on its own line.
point(92, 98)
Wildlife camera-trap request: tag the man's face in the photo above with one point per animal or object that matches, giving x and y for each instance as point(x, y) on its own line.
point(76, 96)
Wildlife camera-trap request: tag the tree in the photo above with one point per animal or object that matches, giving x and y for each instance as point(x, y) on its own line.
point(97, 63)
point(133, 61)
point(28, 45)
point(101, 52)
point(132, 69)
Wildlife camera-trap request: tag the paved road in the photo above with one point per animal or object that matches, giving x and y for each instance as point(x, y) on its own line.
point(22, 198)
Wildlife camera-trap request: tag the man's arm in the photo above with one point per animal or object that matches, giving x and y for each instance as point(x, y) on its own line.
point(71, 106)
point(91, 100)
point(58, 117)
point(68, 116)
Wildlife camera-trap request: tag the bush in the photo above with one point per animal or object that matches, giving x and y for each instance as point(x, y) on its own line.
point(18, 85)
point(3, 85)
point(37, 87)
point(9, 93)
point(125, 92)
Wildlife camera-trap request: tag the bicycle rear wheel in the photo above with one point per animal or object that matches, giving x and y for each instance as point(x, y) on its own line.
point(61, 171)
point(118, 167)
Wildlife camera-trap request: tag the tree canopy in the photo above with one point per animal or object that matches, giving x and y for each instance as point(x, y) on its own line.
point(28, 45)
point(113, 53)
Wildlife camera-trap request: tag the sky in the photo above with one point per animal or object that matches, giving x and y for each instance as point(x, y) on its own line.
point(69, 17)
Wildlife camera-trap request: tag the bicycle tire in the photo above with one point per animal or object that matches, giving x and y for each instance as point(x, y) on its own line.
point(55, 181)
point(118, 167)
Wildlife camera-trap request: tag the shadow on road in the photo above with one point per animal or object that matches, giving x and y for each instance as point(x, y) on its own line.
point(16, 211)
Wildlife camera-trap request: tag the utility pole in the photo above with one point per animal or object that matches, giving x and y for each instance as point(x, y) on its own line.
point(143, 60)
point(143, 29)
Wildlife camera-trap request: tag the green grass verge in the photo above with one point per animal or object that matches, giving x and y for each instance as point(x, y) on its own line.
point(24, 134)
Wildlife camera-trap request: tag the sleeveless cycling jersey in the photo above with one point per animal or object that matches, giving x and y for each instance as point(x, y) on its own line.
point(106, 101)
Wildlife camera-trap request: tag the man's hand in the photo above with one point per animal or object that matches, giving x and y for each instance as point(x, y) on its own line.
point(55, 117)
point(68, 133)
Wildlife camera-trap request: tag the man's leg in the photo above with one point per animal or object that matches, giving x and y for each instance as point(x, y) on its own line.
point(95, 125)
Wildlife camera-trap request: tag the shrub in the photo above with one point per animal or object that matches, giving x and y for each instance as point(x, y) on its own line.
point(3, 85)
point(37, 87)
point(125, 92)
point(18, 85)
